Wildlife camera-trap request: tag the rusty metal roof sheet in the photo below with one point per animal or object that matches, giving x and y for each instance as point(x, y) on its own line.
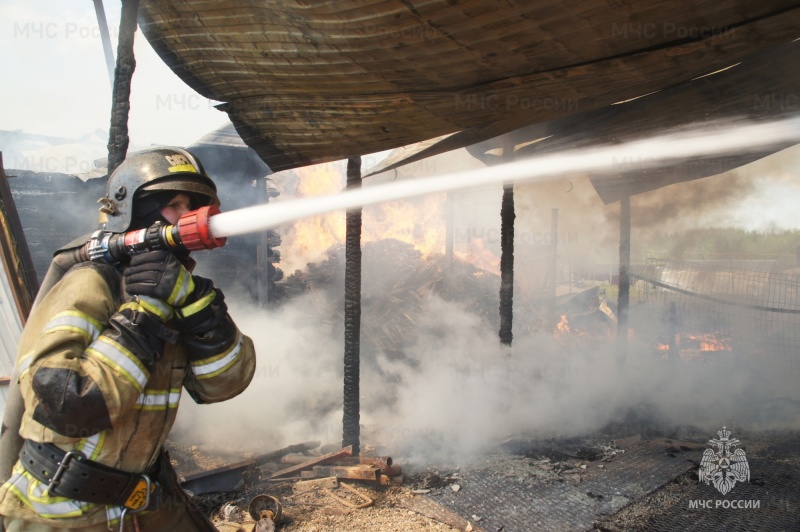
point(307, 82)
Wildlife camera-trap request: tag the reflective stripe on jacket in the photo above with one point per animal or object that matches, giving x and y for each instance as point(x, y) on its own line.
point(72, 336)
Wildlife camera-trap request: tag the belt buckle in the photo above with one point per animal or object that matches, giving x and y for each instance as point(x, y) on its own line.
point(63, 465)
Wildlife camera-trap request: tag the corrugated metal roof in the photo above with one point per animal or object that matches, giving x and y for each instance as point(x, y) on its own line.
point(308, 82)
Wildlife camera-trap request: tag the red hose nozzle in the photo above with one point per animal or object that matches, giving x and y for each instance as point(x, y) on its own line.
point(194, 230)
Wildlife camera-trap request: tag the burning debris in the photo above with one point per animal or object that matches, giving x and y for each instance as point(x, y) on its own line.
point(397, 278)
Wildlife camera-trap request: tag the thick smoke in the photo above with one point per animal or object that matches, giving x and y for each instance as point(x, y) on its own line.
point(456, 391)
point(448, 390)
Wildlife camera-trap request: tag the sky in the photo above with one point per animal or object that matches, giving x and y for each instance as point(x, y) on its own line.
point(56, 82)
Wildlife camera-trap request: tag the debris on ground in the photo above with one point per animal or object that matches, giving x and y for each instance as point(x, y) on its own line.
point(599, 476)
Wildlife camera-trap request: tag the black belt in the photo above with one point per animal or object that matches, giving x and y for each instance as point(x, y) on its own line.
point(72, 475)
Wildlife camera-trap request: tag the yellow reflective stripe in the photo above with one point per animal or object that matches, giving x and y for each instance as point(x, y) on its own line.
point(197, 306)
point(113, 513)
point(213, 366)
point(131, 305)
point(159, 399)
point(122, 360)
point(182, 168)
point(23, 364)
point(153, 306)
point(74, 321)
point(92, 445)
point(31, 492)
point(183, 287)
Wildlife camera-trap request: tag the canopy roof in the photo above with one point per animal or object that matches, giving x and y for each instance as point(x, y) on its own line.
point(309, 82)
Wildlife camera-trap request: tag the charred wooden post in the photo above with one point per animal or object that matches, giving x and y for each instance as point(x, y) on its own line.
point(507, 265)
point(352, 315)
point(507, 255)
point(267, 255)
point(449, 221)
point(15, 255)
point(554, 261)
point(120, 107)
point(672, 325)
point(623, 299)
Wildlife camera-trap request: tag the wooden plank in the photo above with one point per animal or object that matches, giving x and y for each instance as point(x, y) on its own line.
point(324, 459)
point(433, 510)
point(302, 486)
point(356, 472)
point(229, 476)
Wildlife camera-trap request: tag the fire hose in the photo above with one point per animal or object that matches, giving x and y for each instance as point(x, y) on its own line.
point(192, 232)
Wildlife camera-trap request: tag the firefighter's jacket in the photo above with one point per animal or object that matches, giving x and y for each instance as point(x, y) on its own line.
point(91, 380)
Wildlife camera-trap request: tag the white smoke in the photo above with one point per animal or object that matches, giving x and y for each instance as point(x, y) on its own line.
point(457, 391)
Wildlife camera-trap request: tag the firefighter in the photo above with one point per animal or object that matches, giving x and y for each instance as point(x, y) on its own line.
point(103, 360)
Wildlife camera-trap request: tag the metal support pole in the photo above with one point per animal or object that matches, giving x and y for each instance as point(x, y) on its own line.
point(108, 51)
point(352, 315)
point(120, 107)
point(623, 299)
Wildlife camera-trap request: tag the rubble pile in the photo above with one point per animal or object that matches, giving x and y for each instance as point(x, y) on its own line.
point(396, 279)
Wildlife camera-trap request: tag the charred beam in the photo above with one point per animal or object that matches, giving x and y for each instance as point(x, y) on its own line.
point(354, 472)
point(352, 315)
point(449, 222)
point(318, 460)
point(623, 298)
point(16, 256)
point(120, 104)
point(507, 251)
point(554, 261)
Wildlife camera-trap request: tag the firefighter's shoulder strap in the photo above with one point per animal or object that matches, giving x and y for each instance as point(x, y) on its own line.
point(64, 258)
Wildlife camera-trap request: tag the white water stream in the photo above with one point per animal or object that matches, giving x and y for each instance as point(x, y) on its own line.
point(665, 150)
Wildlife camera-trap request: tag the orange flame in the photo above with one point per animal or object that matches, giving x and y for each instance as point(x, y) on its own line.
point(417, 221)
point(311, 237)
point(480, 256)
point(709, 342)
point(562, 327)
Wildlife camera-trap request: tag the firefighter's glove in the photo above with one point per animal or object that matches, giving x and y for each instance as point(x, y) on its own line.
point(204, 309)
point(158, 275)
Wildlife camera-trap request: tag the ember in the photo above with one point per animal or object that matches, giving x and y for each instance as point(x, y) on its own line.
point(562, 327)
point(709, 342)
